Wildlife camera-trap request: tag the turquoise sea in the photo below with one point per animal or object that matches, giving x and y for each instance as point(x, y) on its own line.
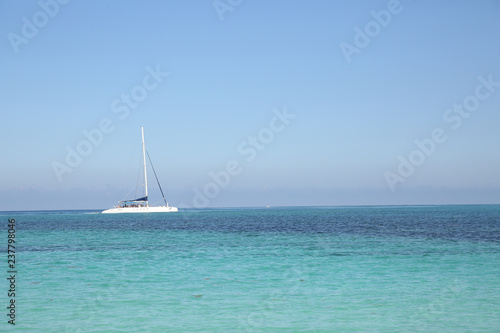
point(301, 269)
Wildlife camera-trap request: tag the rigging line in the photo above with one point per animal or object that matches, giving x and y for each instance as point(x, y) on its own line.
point(129, 176)
point(136, 195)
point(149, 158)
point(137, 182)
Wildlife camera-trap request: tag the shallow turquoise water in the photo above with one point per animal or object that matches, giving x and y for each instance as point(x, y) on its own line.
point(323, 269)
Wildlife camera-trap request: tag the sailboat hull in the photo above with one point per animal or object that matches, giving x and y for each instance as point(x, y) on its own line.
point(157, 209)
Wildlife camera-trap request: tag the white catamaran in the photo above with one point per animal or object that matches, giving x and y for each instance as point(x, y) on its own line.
point(141, 205)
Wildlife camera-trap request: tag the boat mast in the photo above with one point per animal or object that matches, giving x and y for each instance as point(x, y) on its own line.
point(144, 160)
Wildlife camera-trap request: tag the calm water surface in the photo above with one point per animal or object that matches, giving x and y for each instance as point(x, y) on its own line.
point(310, 269)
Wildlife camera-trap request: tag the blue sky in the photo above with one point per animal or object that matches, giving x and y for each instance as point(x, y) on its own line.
point(353, 117)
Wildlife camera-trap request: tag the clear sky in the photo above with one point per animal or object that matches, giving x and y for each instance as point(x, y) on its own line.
point(291, 102)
